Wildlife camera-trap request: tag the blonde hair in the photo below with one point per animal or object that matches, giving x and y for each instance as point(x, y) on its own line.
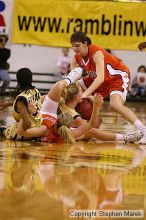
point(70, 91)
point(66, 134)
point(62, 127)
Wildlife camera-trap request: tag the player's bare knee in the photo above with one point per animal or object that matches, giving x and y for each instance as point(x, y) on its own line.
point(60, 83)
point(57, 85)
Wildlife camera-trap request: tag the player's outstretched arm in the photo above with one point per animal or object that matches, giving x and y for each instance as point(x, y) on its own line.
point(97, 103)
point(31, 132)
point(98, 58)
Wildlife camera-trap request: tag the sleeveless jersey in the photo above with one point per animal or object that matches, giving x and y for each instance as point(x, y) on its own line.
point(109, 60)
point(36, 119)
point(64, 108)
point(31, 95)
point(116, 73)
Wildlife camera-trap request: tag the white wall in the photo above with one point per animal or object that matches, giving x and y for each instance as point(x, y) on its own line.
point(43, 59)
point(37, 58)
point(132, 59)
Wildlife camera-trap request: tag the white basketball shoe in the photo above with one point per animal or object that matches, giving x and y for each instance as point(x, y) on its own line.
point(74, 75)
point(143, 139)
point(134, 136)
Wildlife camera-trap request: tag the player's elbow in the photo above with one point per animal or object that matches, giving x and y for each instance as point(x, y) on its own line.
point(100, 79)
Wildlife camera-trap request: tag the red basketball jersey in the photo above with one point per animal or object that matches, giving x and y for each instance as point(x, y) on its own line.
point(116, 73)
point(52, 137)
point(109, 60)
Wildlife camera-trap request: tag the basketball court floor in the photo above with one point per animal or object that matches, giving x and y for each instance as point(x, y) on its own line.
point(88, 180)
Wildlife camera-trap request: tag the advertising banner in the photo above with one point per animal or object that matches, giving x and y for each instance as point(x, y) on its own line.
point(114, 25)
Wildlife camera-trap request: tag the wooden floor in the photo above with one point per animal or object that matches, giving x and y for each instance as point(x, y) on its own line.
point(61, 182)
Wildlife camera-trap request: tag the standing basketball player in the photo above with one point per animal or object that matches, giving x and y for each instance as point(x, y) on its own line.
point(107, 75)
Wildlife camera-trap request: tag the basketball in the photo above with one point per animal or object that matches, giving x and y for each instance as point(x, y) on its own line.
point(84, 108)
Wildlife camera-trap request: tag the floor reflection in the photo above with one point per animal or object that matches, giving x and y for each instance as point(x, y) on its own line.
point(46, 182)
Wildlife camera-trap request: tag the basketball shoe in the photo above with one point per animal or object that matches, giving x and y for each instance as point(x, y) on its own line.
point(143, 139)
point(133, 136)
point(74, 75)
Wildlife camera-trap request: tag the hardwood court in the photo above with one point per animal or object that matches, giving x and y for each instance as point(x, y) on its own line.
point(59, 182)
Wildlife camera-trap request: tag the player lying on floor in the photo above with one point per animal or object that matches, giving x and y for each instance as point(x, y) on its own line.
point(66, 128)
point(71, 96)
point(59, 129)
point(26, 94)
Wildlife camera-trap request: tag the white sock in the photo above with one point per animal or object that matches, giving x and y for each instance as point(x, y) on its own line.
point(119, 137)
point(138, 124)
point(74, 75)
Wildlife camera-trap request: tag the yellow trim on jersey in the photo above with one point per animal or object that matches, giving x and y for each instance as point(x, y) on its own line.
point(32, 95)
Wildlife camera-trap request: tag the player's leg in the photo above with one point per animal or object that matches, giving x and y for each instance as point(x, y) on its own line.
point(74, 75)
point(110, 136)
point(117, 99)
point(117, 104)
point(51, 101)
point(118, 92)
point(56, 90)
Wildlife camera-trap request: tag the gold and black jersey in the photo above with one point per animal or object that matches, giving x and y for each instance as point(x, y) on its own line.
point(62, 108)
point(31, 95)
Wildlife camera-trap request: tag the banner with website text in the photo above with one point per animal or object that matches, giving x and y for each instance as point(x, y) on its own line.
point(114, 25)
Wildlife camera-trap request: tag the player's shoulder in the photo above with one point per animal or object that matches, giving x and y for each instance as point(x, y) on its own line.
point(94, 48)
